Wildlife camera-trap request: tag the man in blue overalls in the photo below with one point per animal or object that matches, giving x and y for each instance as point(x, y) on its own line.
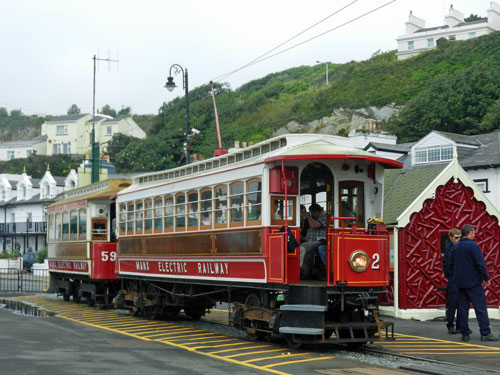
point(451, 287)
point(469, 272)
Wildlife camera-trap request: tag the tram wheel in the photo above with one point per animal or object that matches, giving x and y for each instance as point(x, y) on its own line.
point(253, 300)
point(194, 312)
point(291, 342)
point(66, 296)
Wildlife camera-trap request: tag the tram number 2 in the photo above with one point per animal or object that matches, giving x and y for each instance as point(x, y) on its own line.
point(108, 256)
point(376, 262)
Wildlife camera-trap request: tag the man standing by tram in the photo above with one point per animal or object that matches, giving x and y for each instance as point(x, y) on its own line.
point(469, 272)
point(451, 287)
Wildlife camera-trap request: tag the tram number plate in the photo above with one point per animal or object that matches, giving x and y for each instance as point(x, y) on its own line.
point(376, 261)
point(108, 256)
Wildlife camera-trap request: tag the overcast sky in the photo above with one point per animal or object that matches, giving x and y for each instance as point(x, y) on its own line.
point(46, 46)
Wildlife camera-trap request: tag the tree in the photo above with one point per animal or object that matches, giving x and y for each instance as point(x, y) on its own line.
point(73, 110)
point(3, 112)
point(107, 110)
point(16, 113)
point(472, 17)
point(125, 111)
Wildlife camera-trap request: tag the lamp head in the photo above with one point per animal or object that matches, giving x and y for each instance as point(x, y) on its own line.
point(170, 85)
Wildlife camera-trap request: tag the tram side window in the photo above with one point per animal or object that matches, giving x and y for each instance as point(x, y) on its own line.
point(123, 218)
point(73, 228)
point(221, 206)
point(130, 218)
point(158, 221)
point(148, 216)
point(52, 226)
point(193, 210)
point(169, 214)
point(352, 202)
point(82, 223)
point(65, 226)
point(180, 212)
point(236, 203)
point(58, 227)
point(278, 210)
point(254, 202)
point(139, 217)
point(206, 208)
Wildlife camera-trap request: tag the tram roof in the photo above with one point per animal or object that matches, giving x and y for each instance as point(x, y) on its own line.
point(97, 190)
point(284, 147)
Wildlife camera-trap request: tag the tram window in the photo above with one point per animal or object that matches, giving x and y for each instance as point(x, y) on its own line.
point(216, 163)
point(183, 172)
point(73, 229)
point(130, 218)
point(256, 152)
point(189, 170)
point(236, 203)
point(65, 226)
point(248, 154)
point(282, 142)
point(193, 210)
point(202, 167)
point(52, 226)
point(239, 157)
point(82, 223)
point(99, 230)
point(158, 216)
point(351, 201)
point(278, 210)
point(223, 162)
point(275, 145)
point(139, 217)
point(169, 214)
point(206, 208)
point(265, 149)
point(180, 212)
point(176, 173)
point(148, 216)
point(221, 206)
point(208, 166)
point(254, 202)
point(230, 160)
point(58, 227)
point(123, 218)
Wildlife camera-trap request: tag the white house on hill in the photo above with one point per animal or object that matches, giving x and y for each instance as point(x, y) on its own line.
point(420, 38)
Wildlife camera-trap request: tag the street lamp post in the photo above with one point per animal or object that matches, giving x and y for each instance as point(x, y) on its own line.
point(326, 76)
point(170, 85)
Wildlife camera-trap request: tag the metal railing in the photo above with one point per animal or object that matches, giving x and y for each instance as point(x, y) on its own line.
point(24, 227)
point(14, 280)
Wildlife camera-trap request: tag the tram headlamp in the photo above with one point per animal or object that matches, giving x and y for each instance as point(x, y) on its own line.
point(359, 261)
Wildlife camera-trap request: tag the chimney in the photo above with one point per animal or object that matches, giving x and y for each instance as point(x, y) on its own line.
point(414, 24)
point(454, 17)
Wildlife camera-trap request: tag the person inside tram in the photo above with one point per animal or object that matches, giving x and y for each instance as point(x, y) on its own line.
point(304, 223)
point(316, 235)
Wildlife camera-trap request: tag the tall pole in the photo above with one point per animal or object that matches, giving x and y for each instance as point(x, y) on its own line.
point(326, 73)
point(93, 145)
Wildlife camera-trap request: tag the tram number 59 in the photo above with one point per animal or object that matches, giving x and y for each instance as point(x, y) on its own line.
point(108, 256)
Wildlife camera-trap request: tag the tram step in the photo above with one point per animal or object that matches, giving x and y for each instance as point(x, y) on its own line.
point(313, 308)
point(302, 331)
point(302, 319)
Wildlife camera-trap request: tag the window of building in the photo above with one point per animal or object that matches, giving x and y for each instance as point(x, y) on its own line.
point(109, 130)
point(56, 148)
point(472, 34)
point(433, 154)
point(452, 37)
point(411, 45)
point(10, 155)
point(62, 130)
point(29, 153)
point(29, 220)
point(430, 42)
point(254, 202)
point(2, 193)
point(23, 191)
point(482, 183)
point(66, 148)
point(236, 203)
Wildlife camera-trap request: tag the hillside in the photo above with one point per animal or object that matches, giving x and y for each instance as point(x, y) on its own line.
point(454, 88)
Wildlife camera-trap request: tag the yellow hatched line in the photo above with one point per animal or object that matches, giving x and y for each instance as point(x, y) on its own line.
point(457, 353)
point(157, 330)
point(452, 342)
point(252, 353)
point(218, 346)
point(141, 328)
point(299, 361)
point(210, 342)
point(122, 323)
point(286, 355)
point(183, 330)
point(446, 349)
point(238, 349)
point(183, 337)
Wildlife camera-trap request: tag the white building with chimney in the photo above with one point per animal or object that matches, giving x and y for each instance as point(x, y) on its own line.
point(420, 38)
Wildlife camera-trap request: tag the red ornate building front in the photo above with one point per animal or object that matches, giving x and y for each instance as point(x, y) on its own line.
point(420, 244)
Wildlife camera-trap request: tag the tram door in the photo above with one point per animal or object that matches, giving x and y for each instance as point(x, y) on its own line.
point(316, 186)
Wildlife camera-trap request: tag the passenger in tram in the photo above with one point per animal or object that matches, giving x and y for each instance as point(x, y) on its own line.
point(316, 235)
point(304, 223)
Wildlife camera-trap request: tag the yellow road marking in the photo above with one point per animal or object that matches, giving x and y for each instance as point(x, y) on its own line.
point(238, 349)
point(218, 346)
point(300, 361)
point(251, 353)
point(283, 355)
point(183, 338)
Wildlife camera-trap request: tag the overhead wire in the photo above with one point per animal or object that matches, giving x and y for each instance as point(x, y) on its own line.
point(258, 60)
point(226, 75)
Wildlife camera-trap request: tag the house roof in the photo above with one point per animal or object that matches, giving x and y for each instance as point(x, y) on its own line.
point(403, 186)
point(487, 155)
point(31, 142)
point(402, 148)
point(460, 138)
point(68, 118)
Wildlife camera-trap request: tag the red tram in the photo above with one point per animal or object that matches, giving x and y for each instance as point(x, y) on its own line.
point(216, 231)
